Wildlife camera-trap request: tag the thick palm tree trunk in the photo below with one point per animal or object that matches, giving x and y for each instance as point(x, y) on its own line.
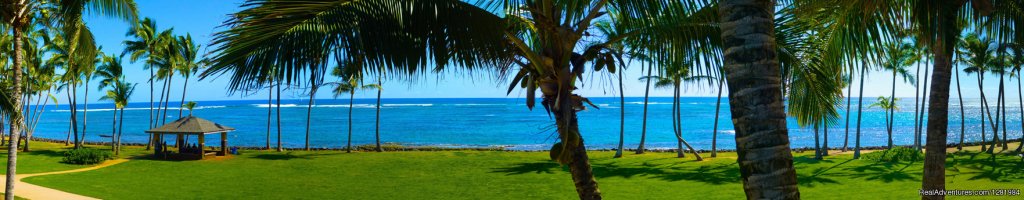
point(351, 101)
point(309, 113)
point(622, 118)
point(960, 96)
point(938, 114)
point(714, 130)
point(643, 126)
point(755, 98)
point(16, 120)
point(279, 148)
point(860, 109)
point(183, 91)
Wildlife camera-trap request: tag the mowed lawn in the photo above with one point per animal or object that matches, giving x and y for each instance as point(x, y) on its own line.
point(502, 175)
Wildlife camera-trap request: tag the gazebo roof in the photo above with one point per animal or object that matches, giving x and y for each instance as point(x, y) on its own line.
point(191, 125)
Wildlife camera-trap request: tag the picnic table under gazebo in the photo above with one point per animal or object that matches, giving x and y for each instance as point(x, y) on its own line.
point(185, 127)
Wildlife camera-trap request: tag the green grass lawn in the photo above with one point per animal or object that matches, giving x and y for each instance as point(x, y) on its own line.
point(46, 157)
point(505, 175)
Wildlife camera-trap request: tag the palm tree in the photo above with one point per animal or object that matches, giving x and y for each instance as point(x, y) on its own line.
point(110, 73)
point(714, 130)
point(643, 129)
point(380, 89)
point(190, 105)
point(119, 93)
point(755, 83)
point(897, 58)
point(149, 41)
point(538, 39)
point(674, 77)
point(17, 16)
point(977, 52)
point(73, 49)
point(190, 62)
point(349, 85)
point(887, 103)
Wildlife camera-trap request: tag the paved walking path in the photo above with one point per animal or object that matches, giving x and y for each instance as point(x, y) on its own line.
point(30, 191)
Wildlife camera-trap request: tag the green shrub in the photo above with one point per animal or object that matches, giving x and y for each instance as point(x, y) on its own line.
point(86, 156)
point(896, 154)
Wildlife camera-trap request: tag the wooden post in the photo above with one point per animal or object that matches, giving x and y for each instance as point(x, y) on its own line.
point(156, 140)
point(202, 146)
point(178, 143)
point(223, 143)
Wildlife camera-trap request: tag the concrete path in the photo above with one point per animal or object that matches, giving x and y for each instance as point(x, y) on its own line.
point(29, 191)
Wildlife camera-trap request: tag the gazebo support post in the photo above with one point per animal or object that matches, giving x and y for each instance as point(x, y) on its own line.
point(202, 146)
point(156, 140)
point(223, 143)
point(180, 143)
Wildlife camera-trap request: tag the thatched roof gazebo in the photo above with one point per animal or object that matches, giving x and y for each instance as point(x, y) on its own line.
point(189, 126)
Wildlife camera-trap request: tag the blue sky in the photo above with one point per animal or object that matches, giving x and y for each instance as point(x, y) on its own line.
point(202, 18)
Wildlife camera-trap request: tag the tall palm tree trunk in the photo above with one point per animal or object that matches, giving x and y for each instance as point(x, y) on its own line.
point(675, 120)
point(160, 104)
point(622, 118)
point(817, 145)
point(270, 111)
point(183, 91)
point(309, 113)
point(376, 129)
point(996, 120)
point(679, 130)
point(643, 126)
point(924, 105)
point(152, 105)
point(12, 149)
point(71, 106)
point(960, 96)
point(1002, 90)
point(85, 110)
point(938, 111)
point(351, 101)
point(890, 121)
point(916, 108)
point(714, 130)
point(279, 148)
point(74, 115)
point(849, 103)
point(981, 91)
point(119, 130)
point(860, 109)
point(824, 144)
point(113, 130)
point(1020, 98)
point(167, 100)
point(751, 65)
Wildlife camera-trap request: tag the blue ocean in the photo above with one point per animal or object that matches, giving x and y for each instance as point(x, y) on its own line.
point(496, 122)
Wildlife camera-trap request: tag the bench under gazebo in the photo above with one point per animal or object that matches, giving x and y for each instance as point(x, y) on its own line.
point(185, 127)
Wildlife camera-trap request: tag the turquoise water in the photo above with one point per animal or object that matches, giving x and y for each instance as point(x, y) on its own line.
point(504, 122)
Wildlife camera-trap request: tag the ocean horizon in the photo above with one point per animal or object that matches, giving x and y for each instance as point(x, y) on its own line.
point(497, 122)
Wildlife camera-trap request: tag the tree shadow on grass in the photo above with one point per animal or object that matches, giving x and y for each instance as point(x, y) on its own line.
point(709, 173)
point(816, 175)
point(47, 153)
point(288, 156)
point(886, 171)
point(541, 167)
point(979, 165)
